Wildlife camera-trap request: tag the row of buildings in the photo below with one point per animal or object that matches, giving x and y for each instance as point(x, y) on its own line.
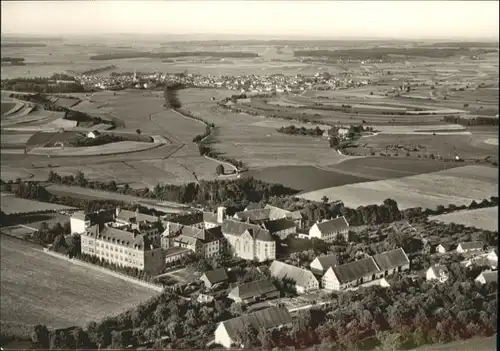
point(242, 84)
point(137, 240)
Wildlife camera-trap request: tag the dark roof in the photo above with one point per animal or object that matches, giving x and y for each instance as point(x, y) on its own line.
point(282, 270)
point(126, 215)
point(120, 237)
point(94, 217)
point(202, 234)
point(278, 225)
point(328, 261)
point(176, 250)
point(253, 289)
point(355, 270)
point(260, 214)
point(218, 275)
point(269, 318)
point(333, 225)
point(471, 245)
point(391, 259)
point(232, 227)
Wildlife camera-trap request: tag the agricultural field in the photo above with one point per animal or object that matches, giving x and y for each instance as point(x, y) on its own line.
point(483, 218)
point(458, 186)
point(350, 171)
point(15, 205)
point(92, 194)
point(37, 288)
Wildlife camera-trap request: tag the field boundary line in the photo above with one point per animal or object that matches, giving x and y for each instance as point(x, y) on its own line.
point(103, 270)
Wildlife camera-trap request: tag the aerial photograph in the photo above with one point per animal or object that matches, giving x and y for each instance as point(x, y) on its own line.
point(258, 175)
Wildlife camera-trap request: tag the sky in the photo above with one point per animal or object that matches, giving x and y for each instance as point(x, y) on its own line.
point(329, 19)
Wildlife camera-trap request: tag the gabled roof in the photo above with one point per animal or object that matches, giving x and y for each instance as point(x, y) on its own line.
point(120, 237)
point(328, 261)
point(202, 234)
point(264, 319)
point(355, 270)
point(283, 270)
point(489, 277)
point(333, 225)
point(215, 276)
point(471, 245)
point(232, 227)
point(252, 289)
point(126, 215)
point(257, 215)
point(391, 259)
point(278, 225)
point(448, 246)
point(276, 212)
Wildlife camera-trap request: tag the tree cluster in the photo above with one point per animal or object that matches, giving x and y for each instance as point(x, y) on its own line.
point(170, 95)
point(301, 131)
point(99, 140)
point(478, 120)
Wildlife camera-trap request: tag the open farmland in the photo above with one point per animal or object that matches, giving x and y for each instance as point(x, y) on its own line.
point(483, 218)
point(37, 288)
point(458, 186)
point(14, 205)
point(350, 171)
point(92, 194)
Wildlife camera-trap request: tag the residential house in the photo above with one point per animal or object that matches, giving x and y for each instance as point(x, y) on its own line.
point(444, 248)
point(249, 241)
point(281, 228)
point(351, 274)
point(214, 278)
point(487, 277)
point(437, 272)
point(227, 332)
point(124, 247)
point(320, 264)
point(330, 230)
point(392, 262)
point(304, 279)
point(471, 246)
point(93, 134)
point(258, 290)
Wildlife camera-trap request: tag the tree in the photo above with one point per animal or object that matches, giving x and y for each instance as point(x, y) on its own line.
point(334, 142)
point(138, 131)
point(219, 170)
point(325, 199)
point(40, 336)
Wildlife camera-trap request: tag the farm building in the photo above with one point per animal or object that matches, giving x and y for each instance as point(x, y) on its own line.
point(487, 277)
point(437, 272)
point(227, 332)
point(123, 246)
point(214, 278)
point(392, 262)
point(257, 290)
point(320, 264)
point(281, 228)
point(350, 274)
point(339, 277)
point(304, 279)
point(93, 134)
point(330, 230)
point(471, 246)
